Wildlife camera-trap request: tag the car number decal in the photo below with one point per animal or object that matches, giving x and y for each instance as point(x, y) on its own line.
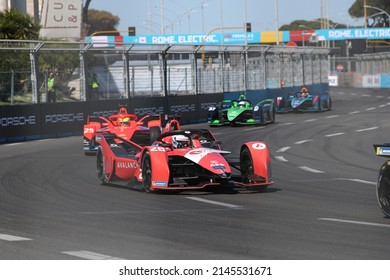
point(259, 146)
point(157, 149)
point(89, 130)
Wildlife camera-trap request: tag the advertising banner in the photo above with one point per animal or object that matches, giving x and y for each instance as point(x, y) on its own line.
point(61, 19)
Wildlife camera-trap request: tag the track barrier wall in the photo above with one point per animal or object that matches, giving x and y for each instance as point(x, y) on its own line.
point(39, 121)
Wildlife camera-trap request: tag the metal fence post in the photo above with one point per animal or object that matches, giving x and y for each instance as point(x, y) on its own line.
point(245, 63)
point(221, 65)
point(34, 72)
point(83, 81)
point(126, 75)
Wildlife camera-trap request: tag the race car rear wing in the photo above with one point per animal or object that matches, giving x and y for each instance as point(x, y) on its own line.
point(382, 150)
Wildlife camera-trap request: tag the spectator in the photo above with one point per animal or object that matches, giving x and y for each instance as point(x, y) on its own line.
point(51, 94)
point(94, 86)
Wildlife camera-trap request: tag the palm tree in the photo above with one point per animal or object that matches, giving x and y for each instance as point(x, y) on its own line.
point(18, 26)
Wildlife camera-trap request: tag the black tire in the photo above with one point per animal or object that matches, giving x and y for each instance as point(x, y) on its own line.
point(246, 165)
point(146, 172)
point(319, 105)
point(383, 189)
point(100, 170)
point(154, 133)
point(272, 114)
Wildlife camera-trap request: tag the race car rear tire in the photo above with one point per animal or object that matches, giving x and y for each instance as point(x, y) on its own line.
point(154, 133)
point(272, 114)
point(101, 173)
point(146, 172)
point(383, 189)
point(246, 165)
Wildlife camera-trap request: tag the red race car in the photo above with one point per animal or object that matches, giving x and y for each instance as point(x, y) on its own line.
point(182, 160)
point(127, 126)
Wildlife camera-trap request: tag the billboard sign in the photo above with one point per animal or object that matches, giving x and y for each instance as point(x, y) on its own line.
point(61, 19)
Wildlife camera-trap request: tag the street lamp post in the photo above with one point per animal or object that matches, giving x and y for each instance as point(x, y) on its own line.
point(276, 21)
point(378, 9)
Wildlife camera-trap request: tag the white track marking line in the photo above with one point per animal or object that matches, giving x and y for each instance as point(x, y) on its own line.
point(370, 109)
point(333, 116)
point(310, 169)
point(361, 181)
point(340, 92)
point(214, 202)
point(354, 222)
point(367, 129)
point(335, 134)
point(283, 124)
point(310, 120)
point(89, 255)
point(303, 141)
point(282, 150)
point(383, 105)
point(366, 95)
point(353, 93)
point(8, 237)
point(254, 128)
point(354, 112)
point(13, 144)
point(281, 158)
point(379, 96)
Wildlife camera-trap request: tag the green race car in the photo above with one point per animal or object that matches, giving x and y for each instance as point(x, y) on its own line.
point(241, 112)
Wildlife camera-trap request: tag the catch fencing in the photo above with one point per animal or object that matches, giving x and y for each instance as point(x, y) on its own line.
point(92, 71)
point(362, 71)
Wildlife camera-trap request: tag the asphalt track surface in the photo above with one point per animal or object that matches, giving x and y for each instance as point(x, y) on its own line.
point(321, 206)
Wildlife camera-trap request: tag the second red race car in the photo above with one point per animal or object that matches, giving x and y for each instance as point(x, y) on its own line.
point(182, 160)
point(127, 126)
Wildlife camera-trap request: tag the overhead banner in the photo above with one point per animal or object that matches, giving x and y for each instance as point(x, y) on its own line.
point(353, 33)
point(185, 39)
point(61, 19)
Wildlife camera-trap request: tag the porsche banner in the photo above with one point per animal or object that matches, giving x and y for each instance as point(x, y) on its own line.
point(61, 19)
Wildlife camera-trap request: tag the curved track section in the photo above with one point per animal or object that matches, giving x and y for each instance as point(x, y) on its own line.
point(321, 206)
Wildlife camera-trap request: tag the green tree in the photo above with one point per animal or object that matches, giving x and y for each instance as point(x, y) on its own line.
point(18, 26)
point(97, 20)
point(378, 19)
point(309, 24)
point(101, 21)
point(15, 25)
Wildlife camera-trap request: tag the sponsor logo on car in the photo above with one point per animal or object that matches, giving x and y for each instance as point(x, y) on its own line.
point(159, 183)
point(126, 164)
point(216, 165)
point(383, 151)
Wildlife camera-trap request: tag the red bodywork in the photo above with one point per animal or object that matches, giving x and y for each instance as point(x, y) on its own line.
point(126, 126)
point(161, 166)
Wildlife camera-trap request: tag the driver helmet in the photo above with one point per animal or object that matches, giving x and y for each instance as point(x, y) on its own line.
point(124, 121)
point(242, 104)
point(180, 141)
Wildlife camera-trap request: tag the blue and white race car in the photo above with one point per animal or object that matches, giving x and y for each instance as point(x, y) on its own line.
point(296, 102)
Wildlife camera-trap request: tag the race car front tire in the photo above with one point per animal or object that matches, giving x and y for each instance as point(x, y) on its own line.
point(146, 172)
point(383, 189)
point(246, 165)
point(154, 133)
point(101, 173)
